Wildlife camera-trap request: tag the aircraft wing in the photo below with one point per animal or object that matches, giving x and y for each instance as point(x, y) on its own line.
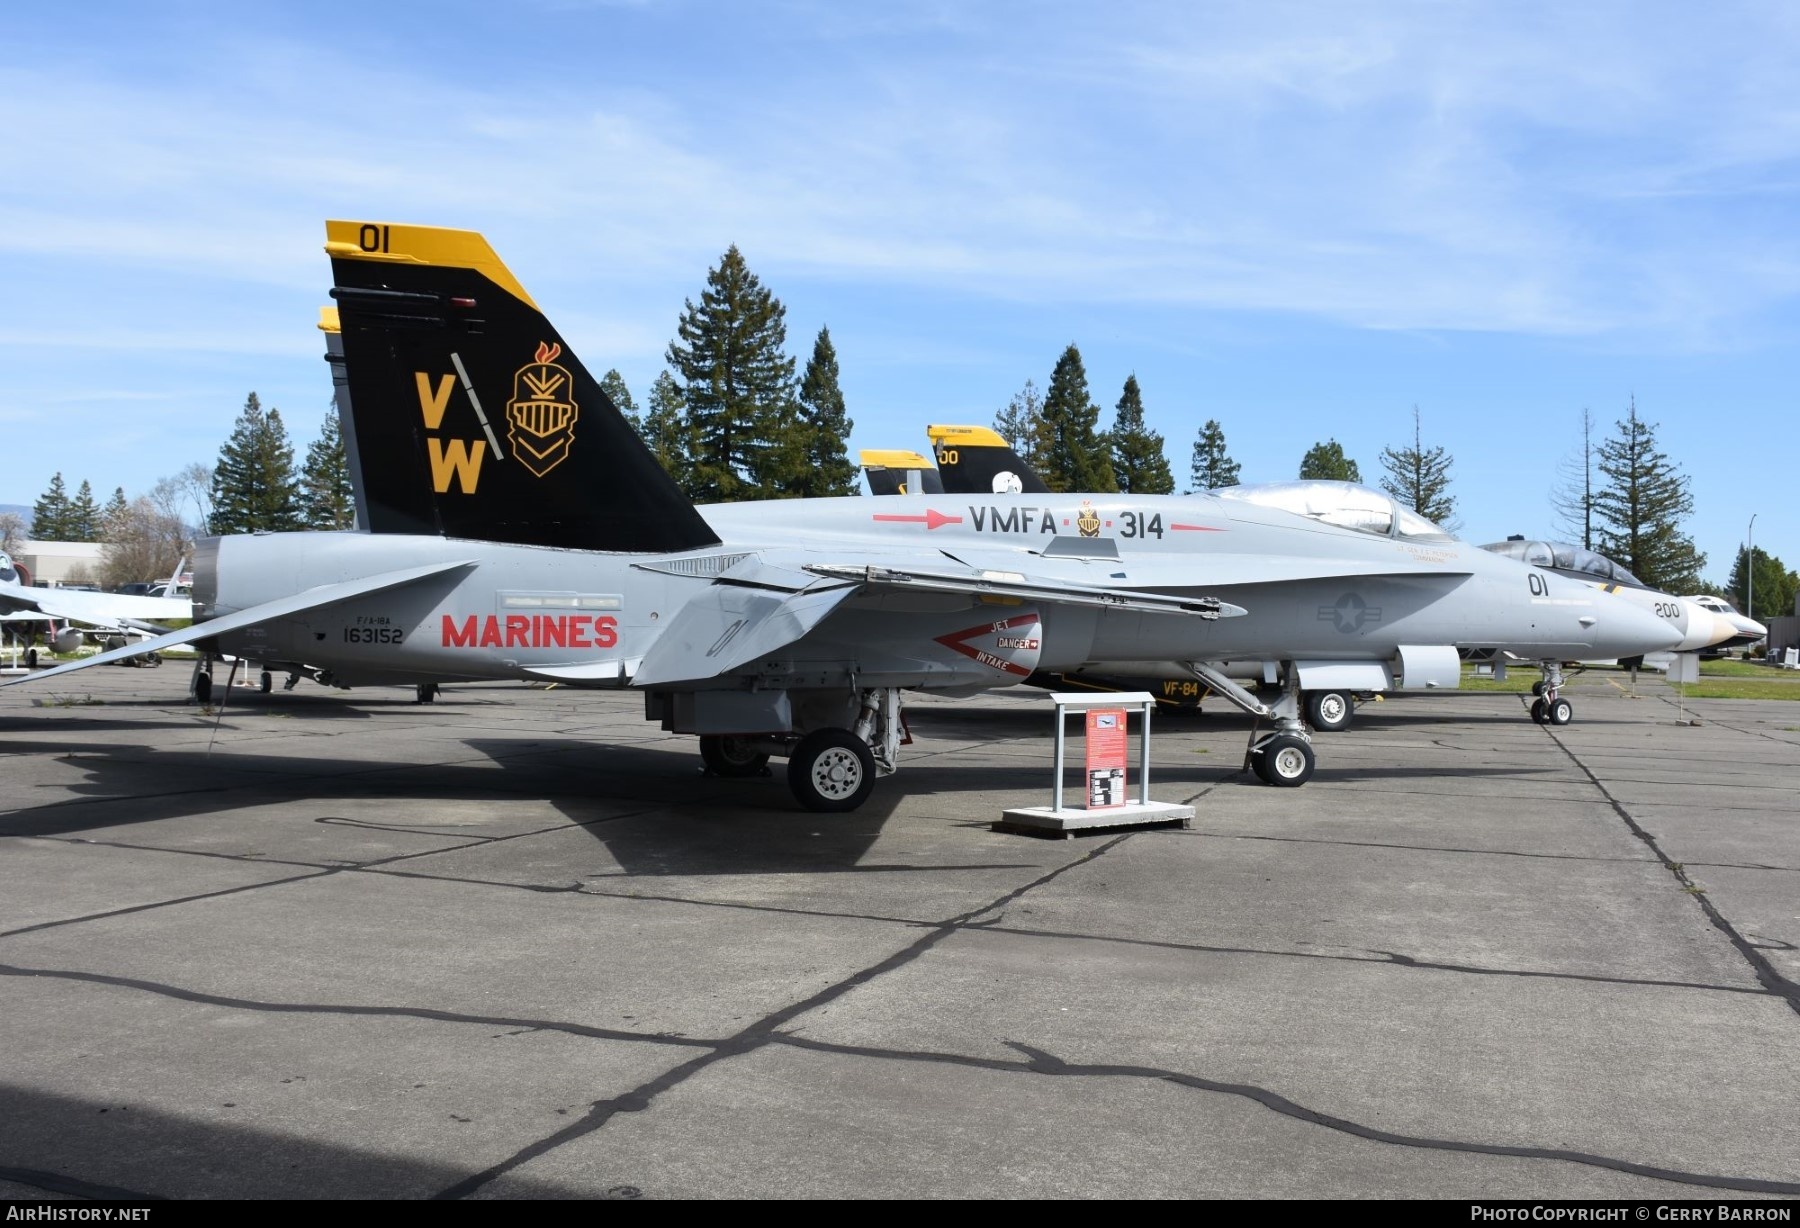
point(990, 582)
point(99, 609)
point(763, 604)
point(311, 599)
point(731, 624)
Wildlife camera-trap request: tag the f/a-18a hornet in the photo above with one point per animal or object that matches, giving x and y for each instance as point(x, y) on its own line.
point(975, 459)
point(517, 528)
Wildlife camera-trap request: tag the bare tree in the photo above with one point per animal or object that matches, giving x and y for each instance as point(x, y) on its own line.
point(12, 532)
point(144, 542)
point(1573, 496)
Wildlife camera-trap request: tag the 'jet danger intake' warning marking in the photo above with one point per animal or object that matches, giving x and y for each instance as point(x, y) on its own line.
point(531, 631)
point(1009, 637)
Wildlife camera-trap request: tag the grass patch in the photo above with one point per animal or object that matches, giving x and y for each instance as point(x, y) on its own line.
point(1764, 687)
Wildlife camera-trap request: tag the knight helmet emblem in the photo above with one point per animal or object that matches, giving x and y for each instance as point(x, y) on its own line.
point(541, 415)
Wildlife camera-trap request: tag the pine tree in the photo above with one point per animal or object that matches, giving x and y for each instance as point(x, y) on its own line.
point(1326, 462)
point(1021, 424)
point(613, 385)
point(50, 514)
point(1213, 467)
point(117, 508)
point(84, 516)
point(1419, 478)
point(824, 427)
point(1774, 588)
point(254, 486)
point(665, 431)
point(327, 495)
point(1139, 466)
point(738, 385)
point(1573, 498)
point(1640, 509)
point(1077, 457)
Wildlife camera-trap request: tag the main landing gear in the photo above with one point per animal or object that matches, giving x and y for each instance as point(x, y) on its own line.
point(1550, 708)
point(1283, 758)
point(1329, 711)
point(831, 769)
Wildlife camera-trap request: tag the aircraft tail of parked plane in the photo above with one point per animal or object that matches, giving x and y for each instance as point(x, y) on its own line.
point(898, 472)
point(976, 460)
point(507, 437)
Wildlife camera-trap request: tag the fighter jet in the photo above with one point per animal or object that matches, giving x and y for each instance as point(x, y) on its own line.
point(1702, 622)
point(976, 459)
point(517, 528)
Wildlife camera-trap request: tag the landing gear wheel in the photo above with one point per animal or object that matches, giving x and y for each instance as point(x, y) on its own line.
point(203, 688)
point(1285, 760)
point(1559, 712)
point(731, 757)
point(1329, 711)
point(1537, 688)
point(31, 658)
point(266, 683)
point(1537, 711)
point(425, 692)
point(831, 771)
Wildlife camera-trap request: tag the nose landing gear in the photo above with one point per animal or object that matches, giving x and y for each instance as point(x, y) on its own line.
point(1550, 708)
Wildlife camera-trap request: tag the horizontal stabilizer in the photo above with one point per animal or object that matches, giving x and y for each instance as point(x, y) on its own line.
point(730, 625)
point(269, 611)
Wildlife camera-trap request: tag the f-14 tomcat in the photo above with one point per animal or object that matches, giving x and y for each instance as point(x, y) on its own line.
point(517, 528)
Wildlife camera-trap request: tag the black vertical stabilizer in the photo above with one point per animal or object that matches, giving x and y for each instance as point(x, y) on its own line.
point(472, 417)
point(973, 460)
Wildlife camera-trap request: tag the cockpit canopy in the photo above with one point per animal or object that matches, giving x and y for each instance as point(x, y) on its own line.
point(1560, 556)
point(1344, 504)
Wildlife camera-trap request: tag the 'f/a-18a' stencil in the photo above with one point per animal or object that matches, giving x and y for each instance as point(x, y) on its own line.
point(512, 525)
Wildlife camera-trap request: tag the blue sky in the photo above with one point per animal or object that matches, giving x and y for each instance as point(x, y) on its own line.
point(1299, 219)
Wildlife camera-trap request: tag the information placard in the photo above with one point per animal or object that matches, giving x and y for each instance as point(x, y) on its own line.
point(1105, 758)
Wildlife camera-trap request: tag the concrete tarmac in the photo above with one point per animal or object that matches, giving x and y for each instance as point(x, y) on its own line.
point(512, 944)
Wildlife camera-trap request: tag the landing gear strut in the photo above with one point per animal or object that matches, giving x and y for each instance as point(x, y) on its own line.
point(1284, 757)
point(1550, 708)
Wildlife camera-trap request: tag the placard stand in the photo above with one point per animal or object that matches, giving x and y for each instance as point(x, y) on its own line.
point(1056, 819)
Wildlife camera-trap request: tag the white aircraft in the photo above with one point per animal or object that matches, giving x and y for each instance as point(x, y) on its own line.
point(115, 617)
point(1745, 630)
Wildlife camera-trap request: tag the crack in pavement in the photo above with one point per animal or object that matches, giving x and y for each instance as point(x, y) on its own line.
point(755, 1036)
point(1759, 964)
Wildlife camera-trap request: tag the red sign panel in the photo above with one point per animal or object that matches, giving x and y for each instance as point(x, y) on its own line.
point(1105, 758)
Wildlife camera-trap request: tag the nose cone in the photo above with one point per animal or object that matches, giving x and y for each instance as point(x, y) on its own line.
point(1623, 629)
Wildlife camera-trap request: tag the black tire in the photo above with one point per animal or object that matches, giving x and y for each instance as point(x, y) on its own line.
point(203, 688)
point(831, 771)
point(266, 682)
point(731, 757)
point(1285, 761)
point(425, 693)
point(1559, 712)
point(31, 658)
point(1329, 711)
point(1537, 688)
point(1537, 710)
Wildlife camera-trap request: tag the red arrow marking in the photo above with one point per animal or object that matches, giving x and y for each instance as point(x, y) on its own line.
point(932, 519)
point(1196, 528)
